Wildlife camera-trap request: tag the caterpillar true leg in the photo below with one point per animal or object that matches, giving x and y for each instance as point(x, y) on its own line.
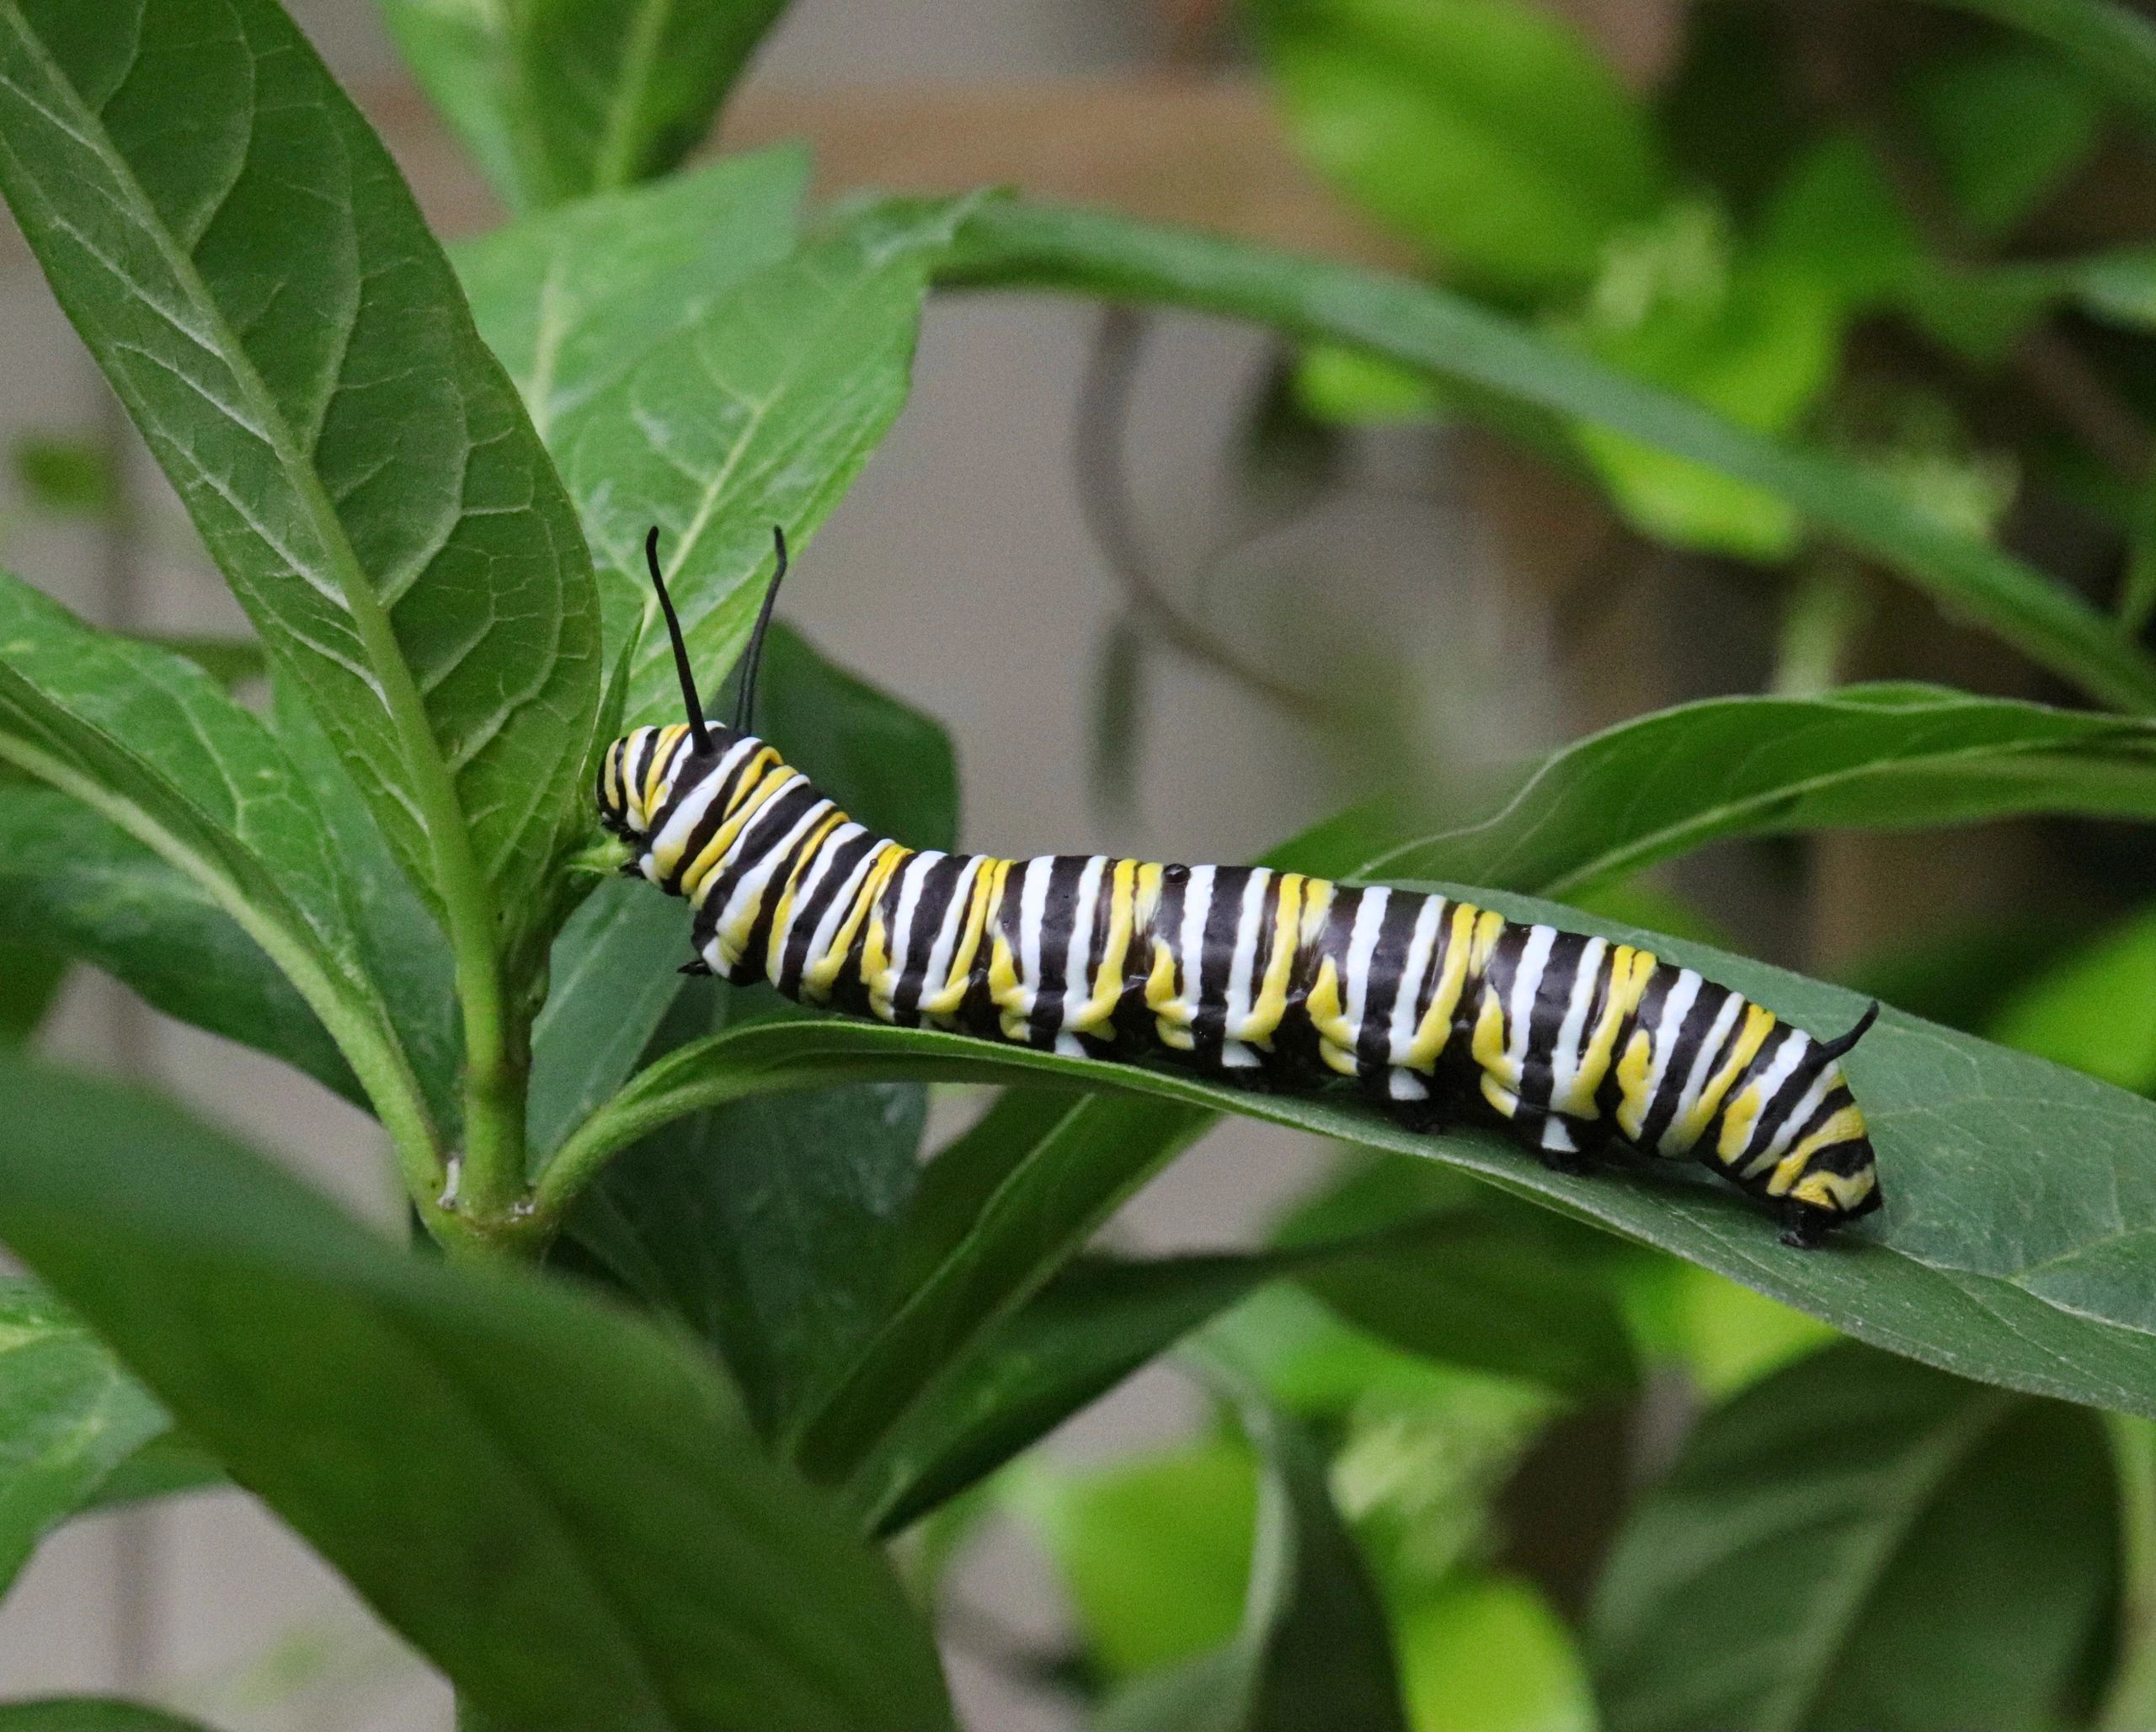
point(1265, 978)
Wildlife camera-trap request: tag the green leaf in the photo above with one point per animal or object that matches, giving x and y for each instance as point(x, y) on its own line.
point(1970, 1268)
point(1097, 1322)
point(769, 1227)
point(556, 1503)
point(2113, 45)
point(1864, 757)
point(68, 1417)
point(241, 256)
point(29, 979)
point(1426, 328)
point(1860, 1542)
point(2095, 1009)
point(151, 746)
point(2006, 126)
point(761, 412)
point(1489, 1654)
point(614, 966)
point(1517, 1292)
point(561, 97)
point(76, 882)
point(1314, 1647)
point(571, 299)
point(1487, 133)
point(89, 1714)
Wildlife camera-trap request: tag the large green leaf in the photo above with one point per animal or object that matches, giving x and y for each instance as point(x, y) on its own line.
point(151, 745)
point(1314, 1647)
point(557, 1503)
point(68, 1417)
point(561, 97)
point(2094, 1009)
point(769, 1227)
point(2006, 126)
point(1430, 330)
point(614, 965)
point(80, 885)
point(2009, 1248)
point(1860, 1542)
point(1097, 1322)
point(571, 299)
point(243, 258)
point(1876, 757)
point(1488, 132)
point(29, 979)
point(759, 413)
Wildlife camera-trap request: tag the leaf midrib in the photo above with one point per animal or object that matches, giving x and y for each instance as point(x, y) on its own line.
point(458, 882)
point(611, 167)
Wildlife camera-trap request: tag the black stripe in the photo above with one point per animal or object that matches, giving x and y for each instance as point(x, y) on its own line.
point(848, 855)
point(1706, 1008)
point(1388, 963)
point(939, 883)
point(1059, 923)
point(1216, 958)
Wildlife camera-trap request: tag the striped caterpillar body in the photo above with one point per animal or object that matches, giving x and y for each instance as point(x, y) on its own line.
point(1575, 1044)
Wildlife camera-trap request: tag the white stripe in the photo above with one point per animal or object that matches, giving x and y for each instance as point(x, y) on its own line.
point(1565, 1060)
point(1196, 908)
point(678, 828)
point(1408, 1007)
point(1669, 1024)
point(934, 978)
point(1078, 962)
point(1822, 1085)
point(1703, 1066)
point(754, 882)
point(1780, 1071)
point(913, 878)
point(1362, 946)
point(827, 929)
point(1527, 982)
point(835, 845)
point(1242, 968)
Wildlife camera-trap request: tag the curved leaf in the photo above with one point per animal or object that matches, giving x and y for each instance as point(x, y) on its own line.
point(560, 1505)
point(69, 1416)
point(1488, 133)
point(561, 97)
point(1892, 757)
point(242, 258)
point(2009, 1249)
point(1859, 1544)
point(1432, 331)
point(2113, 43)
point(151, 746)
point(84, 887)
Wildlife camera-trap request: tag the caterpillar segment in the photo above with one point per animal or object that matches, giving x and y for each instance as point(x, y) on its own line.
point(1577, 1044)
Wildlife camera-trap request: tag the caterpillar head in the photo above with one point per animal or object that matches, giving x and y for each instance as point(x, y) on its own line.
point(640, 771)
point(1830, 1173)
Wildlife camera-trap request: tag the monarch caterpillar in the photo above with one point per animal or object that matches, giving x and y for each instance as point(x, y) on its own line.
point(1578, 1045)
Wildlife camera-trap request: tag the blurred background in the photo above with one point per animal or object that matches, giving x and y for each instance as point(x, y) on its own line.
point(1177, 592)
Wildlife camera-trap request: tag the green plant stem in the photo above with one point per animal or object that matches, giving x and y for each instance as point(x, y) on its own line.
point(2130, 1702)
point(1010, 245)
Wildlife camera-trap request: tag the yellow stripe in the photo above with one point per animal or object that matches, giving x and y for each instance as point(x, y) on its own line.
point(1272, 1002)
point(1435, 1028)
point(1098, 1010)
point(1629, 971)
point(1489, 1047)
point(668, 737)
point(775, 951)
point(1844, 1125)
point(767, 773)
point(987, 886)
point(1837, 1191)
point(1758, 1023)
point(822, 971)
point(614, 801)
